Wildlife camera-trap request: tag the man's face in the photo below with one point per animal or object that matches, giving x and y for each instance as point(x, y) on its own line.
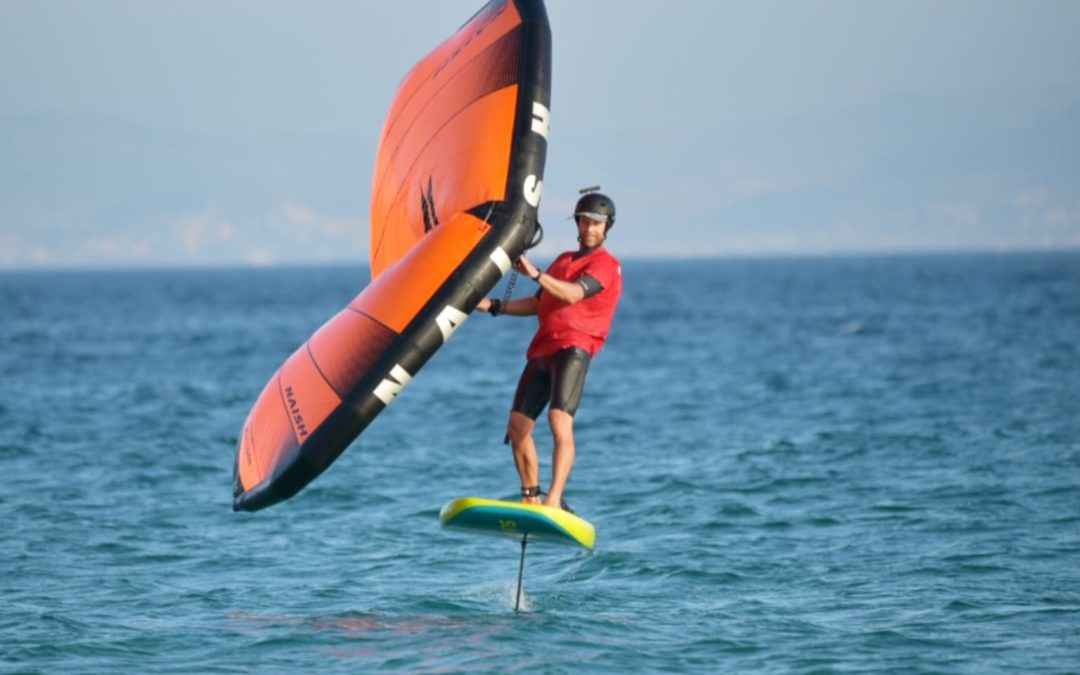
point(590, 232)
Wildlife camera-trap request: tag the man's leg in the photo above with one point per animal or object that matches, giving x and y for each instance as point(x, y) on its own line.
point(567, 384)
point(520, 430)
point(562, 457)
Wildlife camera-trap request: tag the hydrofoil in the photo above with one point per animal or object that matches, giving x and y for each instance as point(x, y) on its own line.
point(515, 520)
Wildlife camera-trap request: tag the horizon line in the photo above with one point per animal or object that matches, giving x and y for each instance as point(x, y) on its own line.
point(240, 265)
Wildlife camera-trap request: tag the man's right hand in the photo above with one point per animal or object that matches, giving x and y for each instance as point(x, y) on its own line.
point(484, 305)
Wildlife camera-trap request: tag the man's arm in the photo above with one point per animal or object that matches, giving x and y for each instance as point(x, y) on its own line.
point(519, 307)
point(566, 291)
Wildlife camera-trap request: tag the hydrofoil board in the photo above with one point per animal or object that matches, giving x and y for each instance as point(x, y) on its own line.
point(517, 521)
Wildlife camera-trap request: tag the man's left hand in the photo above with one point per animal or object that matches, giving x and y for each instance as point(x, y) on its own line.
point(525, 267)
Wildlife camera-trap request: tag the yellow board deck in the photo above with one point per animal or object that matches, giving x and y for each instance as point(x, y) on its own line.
point(516, 520)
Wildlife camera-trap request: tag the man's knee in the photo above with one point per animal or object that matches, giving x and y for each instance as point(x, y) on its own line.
point(519, 428)
point(562, 424)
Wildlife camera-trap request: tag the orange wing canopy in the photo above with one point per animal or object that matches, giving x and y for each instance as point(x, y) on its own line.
point(456, 185)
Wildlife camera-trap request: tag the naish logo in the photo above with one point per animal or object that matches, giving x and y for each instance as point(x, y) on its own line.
point(533, 188)
point(391, 386)
point(448, 321)
point(541, 119)
point(294, 410)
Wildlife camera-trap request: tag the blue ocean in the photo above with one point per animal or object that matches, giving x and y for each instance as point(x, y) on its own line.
point(859, 464)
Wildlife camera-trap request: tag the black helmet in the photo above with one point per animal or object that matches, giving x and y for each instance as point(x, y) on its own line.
point(598, 207)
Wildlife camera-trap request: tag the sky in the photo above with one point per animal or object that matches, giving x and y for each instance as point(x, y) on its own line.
point(243, 132)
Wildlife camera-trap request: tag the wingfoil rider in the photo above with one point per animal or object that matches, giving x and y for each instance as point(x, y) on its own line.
point(575, 304)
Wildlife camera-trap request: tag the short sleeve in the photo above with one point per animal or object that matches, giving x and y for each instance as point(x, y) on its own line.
point(604, 269)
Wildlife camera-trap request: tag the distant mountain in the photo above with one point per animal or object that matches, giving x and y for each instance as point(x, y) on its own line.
point(910, 173)
point(93, 190)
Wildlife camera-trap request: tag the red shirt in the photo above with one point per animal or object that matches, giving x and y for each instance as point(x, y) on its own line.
point(585, 323)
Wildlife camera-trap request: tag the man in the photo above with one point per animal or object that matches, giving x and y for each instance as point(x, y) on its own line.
point(575, 304)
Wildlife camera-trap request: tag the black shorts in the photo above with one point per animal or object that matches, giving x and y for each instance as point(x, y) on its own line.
point(558, 378)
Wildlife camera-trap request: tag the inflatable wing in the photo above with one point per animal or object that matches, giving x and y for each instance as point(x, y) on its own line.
point(456, 185)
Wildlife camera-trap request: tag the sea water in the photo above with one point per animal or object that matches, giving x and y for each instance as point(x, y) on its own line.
point(804, 465)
